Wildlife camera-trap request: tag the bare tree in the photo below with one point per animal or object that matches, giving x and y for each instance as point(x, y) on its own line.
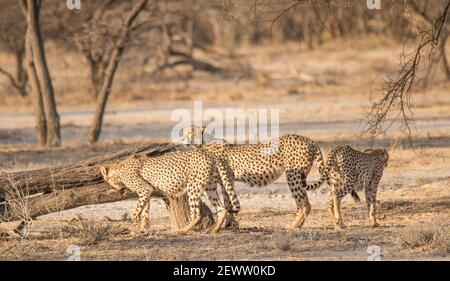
point(432, 24)
point(113, 63)
point(12, 40)
point(39, 75)
point(95, 36)
point(397, 97)
point(36, 96)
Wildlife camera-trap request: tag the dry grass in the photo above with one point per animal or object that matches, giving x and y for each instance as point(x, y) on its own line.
point(282, 241)
point(91, 232)
point(433, 237)
point(16, 206)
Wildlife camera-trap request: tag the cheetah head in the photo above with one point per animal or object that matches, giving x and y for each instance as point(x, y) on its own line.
point(193, 136)
point(112, 176)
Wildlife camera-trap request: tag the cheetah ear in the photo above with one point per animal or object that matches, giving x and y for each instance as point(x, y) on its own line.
point(104, 171)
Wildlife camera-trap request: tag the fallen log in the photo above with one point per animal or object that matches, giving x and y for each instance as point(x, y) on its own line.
point(30, 194)
point(76, 175)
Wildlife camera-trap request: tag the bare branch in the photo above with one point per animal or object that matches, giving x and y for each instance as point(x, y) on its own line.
point(398, 90)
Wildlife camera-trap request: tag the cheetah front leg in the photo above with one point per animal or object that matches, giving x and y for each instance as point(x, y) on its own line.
point(143, 189)
point(145, 217)
point(140, 216)
point(336, 199)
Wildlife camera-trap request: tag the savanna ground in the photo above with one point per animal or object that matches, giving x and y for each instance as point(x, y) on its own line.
point(321, 94)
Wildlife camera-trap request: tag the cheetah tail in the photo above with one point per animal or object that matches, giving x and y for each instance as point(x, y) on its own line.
point(331, 162)
point(322, 171)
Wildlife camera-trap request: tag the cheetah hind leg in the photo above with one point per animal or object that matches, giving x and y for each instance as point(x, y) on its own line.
point(338, 223)
point(302, 214)
point(211, 192)
point(190, 226)
point(232, 221)
point(220, 219)
point(331, 213)
point(194, 207)
point(296, 179)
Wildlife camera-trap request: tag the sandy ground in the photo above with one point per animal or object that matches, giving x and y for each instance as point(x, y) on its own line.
point(319, 94)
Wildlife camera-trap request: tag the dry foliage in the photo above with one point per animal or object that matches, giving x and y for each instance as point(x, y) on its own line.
point(397, 96)
point(90, 232)
point(433, 237)
point(16, 203)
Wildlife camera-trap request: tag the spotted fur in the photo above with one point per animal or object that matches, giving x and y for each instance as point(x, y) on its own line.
point(173, 174)
point(349, 170)
point(263, 163)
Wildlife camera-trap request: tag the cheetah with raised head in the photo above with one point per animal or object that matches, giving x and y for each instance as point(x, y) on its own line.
point(263, 163)
point(174, 173)
point(349, 170)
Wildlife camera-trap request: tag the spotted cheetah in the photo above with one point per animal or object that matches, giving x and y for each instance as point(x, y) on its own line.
point(197, 136)
point(173, 174)
point(349, 170)
point(263, 163)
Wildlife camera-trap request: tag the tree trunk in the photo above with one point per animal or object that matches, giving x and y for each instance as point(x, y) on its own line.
point(41, 68)
point(21, 74)
point(36, 95)
point(96, 76)
point(179, 213)
point(57, 201)
point(47, 180)
point(107, 81)
point(443, 48)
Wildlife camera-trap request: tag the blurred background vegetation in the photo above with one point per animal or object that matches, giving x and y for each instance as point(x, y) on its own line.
point(170, 43)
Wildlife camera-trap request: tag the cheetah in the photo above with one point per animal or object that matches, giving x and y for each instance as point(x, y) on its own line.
point(263, 163)
point(349, 170)
point(197, 136)
point(174, 173)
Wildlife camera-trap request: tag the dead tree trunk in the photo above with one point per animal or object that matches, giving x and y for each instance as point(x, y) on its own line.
point(21, 74)
point(107, 81)
point(36, 95)
point(48, 180)
point(443, 50)
point(31, 10)
point(34, 193)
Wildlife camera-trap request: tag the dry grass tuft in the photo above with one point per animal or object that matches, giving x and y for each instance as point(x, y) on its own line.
point(16, 206)
point(282, 241)
point(91, 231)
point(433, 237)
